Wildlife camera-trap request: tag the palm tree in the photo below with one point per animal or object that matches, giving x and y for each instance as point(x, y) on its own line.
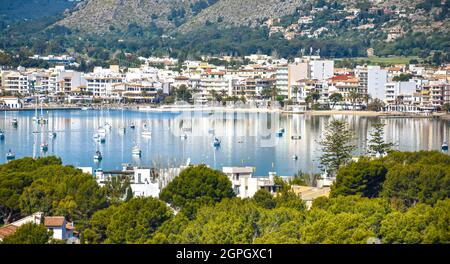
point(295, 91)
point(353, 97)
point(335, 98)
point(271, 92)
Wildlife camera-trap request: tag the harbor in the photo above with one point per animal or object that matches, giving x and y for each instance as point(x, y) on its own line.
point(269, 142)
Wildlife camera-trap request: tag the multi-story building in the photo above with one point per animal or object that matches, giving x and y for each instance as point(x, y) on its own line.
point(372, 80)
point(400, 93)
point(137, 92)
point(100, 83)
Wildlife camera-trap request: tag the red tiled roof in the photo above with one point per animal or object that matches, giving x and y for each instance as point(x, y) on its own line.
point(341, 78)
point(7, 230)
point(54, 221)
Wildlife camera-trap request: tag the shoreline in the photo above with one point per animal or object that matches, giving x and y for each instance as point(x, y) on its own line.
point(171, 109)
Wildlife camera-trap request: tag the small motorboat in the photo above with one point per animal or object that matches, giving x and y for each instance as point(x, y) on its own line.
point(15, 122)
point(2, 135)
point(295, 157)
point(211, 130)
point(122, 130)
point(296, 137)
point(146, 133)
point(184, 136)
point(444, 146)
point(282, 130)
point(42, 120)
point(216, 142)
point(84, 108)
point(132, 126)
point(44, 147)
point(101, 131)
point(279, 133)
point(136, 151)
point(107, 126)
point(10, 156)
point(52, 135)
point(98, 156)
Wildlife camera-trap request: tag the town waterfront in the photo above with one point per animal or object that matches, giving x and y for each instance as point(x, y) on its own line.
point(247, 139)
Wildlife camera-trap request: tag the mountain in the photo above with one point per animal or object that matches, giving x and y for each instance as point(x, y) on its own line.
point(104, 30)
point(101, 16)
point(12, 10)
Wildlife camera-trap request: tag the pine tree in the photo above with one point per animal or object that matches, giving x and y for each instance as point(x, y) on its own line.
point(377, 146)
point(337, 146)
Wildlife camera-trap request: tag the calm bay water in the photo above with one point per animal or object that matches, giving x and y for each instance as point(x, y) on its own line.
point(247, 139)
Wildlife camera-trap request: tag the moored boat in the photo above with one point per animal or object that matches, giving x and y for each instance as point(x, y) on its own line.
point(216, 142)
point(98, 156)
point(444, 146)
point(10, 155)
point(136, 151)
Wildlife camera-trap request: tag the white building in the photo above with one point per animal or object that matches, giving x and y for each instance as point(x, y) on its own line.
point(10, 102)
point(245, 185)
point(59, 226)
point(101, 82)
point(400, 92)
point(144, 182)
point(372, 80)
point(321, 69)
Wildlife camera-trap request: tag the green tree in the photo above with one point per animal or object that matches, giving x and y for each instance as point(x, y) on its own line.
point(183, 93)
point(270, 92)
point(419, 224)
point(117, 189)
point(376, 105)
point(446, 107)
point(336, 145)
point(364, 178)
point(264, 199)
point(134, 221)
point(29, 233)
point(336, 98)
point(408, 184)
point(377, 146)
point(195, 186)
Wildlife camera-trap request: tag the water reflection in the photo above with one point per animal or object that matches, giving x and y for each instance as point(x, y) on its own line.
point(247, 139)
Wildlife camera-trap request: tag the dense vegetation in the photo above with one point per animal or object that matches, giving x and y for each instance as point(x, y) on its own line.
point(399, 198)
point(43, 36)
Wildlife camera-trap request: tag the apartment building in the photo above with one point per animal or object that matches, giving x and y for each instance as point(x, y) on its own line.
point(143, 92)
point(101, 81)
point(372, 81)
point(400, 92)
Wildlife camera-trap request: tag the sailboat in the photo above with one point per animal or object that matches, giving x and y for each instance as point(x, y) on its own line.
point(52, 134)
point(44, 145)
point(35, 117)
point(98, 156)
point(42, 119)
point(122, 129)
point(146, 132)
